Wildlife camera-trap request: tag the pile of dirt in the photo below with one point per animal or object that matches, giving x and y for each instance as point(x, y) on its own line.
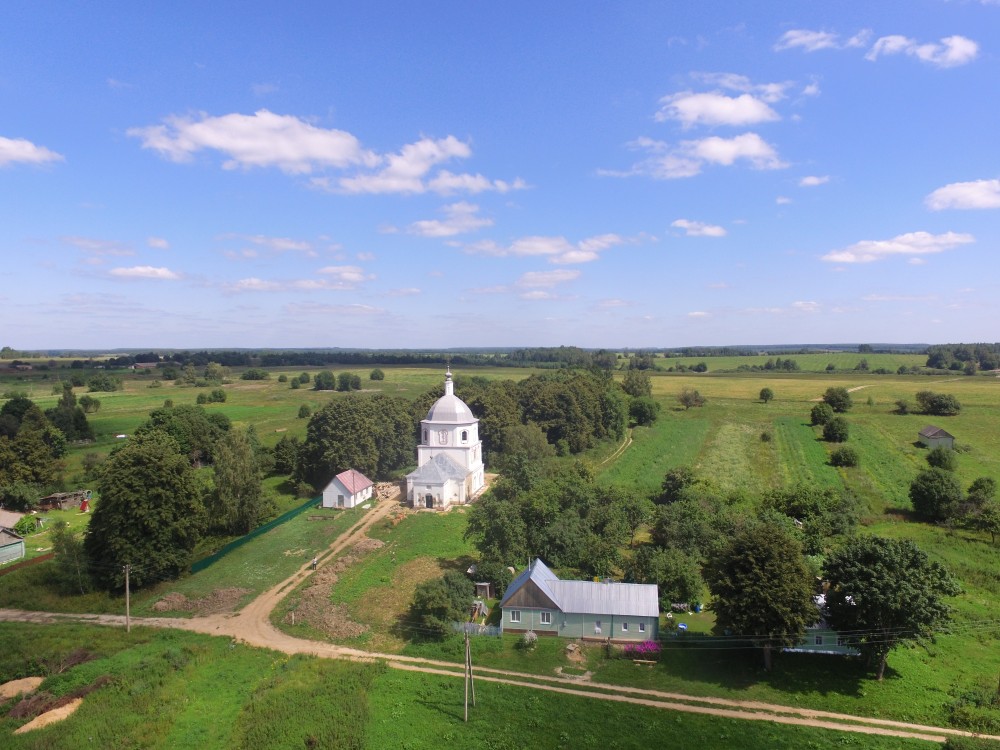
point(17, 687)
point(41, 703)
point(220, 600)
point(314, 606)
point(386, 490)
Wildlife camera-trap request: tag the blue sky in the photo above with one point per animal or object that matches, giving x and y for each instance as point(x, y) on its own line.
point(446, 174)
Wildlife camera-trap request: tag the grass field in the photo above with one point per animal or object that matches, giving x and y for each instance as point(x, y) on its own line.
point(168, 689)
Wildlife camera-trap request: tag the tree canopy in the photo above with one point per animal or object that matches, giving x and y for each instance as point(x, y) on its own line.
point(838, 399)
point(440, 602)
point(938, 404)
point(372, 434)
point(936, 494)
point(762, 588)
point(150, 514)
point(884, 592)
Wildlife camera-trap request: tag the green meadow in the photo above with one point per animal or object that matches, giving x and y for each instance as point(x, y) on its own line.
point(175, 690)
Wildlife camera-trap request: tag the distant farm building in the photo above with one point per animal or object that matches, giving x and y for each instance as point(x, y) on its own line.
point(64, 500)
point(935, 437)
point(538, 601)
point(11, 546)
point(9, 519)
point(348, 489)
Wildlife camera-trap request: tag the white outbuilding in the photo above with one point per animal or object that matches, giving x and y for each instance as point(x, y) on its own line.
point(348, 489)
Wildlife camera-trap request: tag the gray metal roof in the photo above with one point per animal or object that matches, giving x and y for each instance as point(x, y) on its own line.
point(612, 598)
point(931, 431)
point(439, 469)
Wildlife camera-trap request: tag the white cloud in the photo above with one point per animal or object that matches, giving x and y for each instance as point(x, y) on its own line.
point(698, 314)
point(558, 249)
point(263, 139)
point(782, 200)
point(308, 309)
point(404, 292)
point(911, 244)
point(537, 294)
point(347, 274)
point(460, 218)
point(546, 279)
point(813, 41)
point(97, 247)
point(666, 162)
point(814, 180)
point(263, 89)
point(966, 195)
point(768, 92)
point(808, 307)
point(274, 244)
point(157, 243)
point(254, 284)
point(446, 183)
point(810, 41)
point(145, 272)
point(610, 304)
point(691, 109)
point(22, 151)
point(404, 171)
point(698, 228)
point(951, 52)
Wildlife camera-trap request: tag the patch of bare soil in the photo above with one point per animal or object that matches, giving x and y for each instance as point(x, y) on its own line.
point(16, 687)
point(314, 607)
point(51, 717)
point(220, 600)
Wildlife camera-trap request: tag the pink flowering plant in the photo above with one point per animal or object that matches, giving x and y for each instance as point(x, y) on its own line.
point(642, 650)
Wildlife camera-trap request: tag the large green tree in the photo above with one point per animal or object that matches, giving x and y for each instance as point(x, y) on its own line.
point(637, 384)
point(149, 516)
point(761, 588)
point(440, 602)
point(372, 434)
point(240, 503)
point(838, 398)
point(884, 592)
point(195, 430)
point(936, 494)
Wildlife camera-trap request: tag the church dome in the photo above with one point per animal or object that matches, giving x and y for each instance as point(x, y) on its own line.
point(450, 408)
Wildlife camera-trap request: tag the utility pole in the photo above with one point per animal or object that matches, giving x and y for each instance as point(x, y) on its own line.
point(128, 619)
point(469, 682)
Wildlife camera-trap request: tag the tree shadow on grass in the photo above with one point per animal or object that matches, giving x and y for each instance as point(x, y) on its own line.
point(742, 668)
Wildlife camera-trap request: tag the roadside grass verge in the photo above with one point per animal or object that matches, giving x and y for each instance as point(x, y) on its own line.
point(172, 689)
point(412, 710)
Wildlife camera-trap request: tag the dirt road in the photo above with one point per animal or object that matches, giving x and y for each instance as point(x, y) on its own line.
point(252, 625)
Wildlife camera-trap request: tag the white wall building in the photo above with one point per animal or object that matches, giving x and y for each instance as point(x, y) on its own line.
point(450, 467)
point(347, 489)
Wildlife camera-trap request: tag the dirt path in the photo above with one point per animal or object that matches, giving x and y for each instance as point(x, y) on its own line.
point(620, 449)
point(253, 626)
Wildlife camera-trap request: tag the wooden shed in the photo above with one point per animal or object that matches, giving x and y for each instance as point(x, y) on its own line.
point(11, 546)
point(935, 437)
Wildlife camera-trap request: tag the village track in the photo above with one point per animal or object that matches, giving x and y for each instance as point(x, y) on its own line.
point(252, 626)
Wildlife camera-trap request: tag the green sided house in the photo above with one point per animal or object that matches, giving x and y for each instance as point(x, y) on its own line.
point(538, 601)
point(820, 638)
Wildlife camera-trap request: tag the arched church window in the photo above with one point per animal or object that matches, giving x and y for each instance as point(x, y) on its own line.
point(465, 436)
point(425, 436)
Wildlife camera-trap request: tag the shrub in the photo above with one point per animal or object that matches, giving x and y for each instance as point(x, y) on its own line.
point(902, 406)
point(528, 641)
point(766, 437)
point(255, 373)
point(643, 410)
point(821, 414)
point(938, 404)
point(642, 650)
point(943, 458)
point(304, 411)
point(766, 394)
point(838, 399)
point(845, 456)
point(836, 430)
point(690, 397)
point(376, 374)
point(935, 494)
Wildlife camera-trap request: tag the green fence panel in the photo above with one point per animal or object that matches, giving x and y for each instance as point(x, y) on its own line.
point(237, 543)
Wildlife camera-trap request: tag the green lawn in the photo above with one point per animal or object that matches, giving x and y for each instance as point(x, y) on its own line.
point(176, 690)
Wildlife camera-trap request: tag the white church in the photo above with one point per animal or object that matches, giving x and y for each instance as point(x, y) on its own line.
point(449, 457)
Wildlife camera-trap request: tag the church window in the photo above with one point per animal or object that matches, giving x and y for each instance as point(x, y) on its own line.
point(425, 436)
point(465, 436)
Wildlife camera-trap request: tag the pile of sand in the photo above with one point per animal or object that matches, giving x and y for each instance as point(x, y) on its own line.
point(220, 600)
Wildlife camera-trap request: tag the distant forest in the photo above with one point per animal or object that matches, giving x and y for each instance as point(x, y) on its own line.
point(967, 357)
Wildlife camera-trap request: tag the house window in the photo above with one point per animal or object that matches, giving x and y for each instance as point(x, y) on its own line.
point(841, 641)
point(624, 627)
point(819, 640)
point(642, 627)
point(515, 615)
point(546, 618)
